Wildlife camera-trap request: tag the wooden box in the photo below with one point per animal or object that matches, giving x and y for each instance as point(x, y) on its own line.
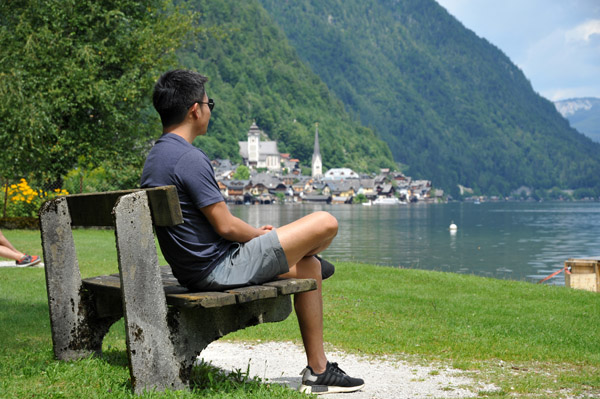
point(585, 274)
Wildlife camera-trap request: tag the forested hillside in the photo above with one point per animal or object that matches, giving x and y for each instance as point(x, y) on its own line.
point(450, 105)
point(255, 74)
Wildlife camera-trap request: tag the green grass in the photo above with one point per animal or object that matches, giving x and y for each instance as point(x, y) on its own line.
point(529, 340)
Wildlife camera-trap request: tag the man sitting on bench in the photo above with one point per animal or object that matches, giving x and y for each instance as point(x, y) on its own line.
point(214, 250)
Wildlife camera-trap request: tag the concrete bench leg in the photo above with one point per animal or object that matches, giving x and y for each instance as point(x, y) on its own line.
point(152, 362)
point(77, 330)
point(193, 329)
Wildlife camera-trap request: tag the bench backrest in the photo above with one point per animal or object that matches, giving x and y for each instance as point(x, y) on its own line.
point(95, 209)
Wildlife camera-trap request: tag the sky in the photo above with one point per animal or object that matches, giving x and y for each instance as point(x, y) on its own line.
point(556, 43)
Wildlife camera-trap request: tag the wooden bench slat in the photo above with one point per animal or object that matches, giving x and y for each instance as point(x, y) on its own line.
point(253, 293)
point(201, 299)
point(164, 206)
point(293, 285)
point(109, 284)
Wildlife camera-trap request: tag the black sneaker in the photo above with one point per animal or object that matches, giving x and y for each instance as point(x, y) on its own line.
point(327, 269)
point(331, 381)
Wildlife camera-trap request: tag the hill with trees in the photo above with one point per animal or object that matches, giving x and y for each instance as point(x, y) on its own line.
point(256, 75)
point(451, 106)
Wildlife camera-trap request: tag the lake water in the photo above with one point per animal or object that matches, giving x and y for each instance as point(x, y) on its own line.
point(512, 240)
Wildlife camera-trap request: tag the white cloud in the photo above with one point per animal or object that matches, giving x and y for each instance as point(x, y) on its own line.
point(583, 31)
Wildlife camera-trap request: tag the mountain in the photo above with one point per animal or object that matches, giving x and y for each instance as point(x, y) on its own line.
point(583, 114)
point(451, 106)
point(256, 75)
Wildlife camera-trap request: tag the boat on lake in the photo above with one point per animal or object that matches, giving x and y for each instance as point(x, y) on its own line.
point(388, 201)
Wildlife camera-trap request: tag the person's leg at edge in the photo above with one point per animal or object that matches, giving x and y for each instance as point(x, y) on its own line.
point(7, 250)
point(301, 240)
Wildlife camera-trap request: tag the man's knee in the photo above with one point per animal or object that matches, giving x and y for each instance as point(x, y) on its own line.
point(310, 267)
point(327, 223)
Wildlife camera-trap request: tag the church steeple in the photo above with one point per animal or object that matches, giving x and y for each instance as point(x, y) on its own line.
point(253, 144)
point(317, 162)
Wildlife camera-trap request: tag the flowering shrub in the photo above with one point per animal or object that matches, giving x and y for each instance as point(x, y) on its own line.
point(20, 200)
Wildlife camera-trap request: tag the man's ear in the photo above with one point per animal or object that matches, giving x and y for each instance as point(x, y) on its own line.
point(196, 111)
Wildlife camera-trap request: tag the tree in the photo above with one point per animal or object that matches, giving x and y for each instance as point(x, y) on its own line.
point(280, 198)
point(76, 77)
point(242, 173)
point(359, 199)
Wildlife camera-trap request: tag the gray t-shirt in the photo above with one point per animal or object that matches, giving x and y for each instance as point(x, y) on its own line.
point(193, 248)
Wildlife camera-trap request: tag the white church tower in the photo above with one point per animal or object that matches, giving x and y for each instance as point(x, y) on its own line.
point(253, 145)
point(317, 162)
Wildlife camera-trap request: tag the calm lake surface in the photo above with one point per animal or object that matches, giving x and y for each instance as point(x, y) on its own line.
point(511, 240)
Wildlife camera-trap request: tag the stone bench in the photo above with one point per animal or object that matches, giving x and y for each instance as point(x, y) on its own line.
point(166, 325)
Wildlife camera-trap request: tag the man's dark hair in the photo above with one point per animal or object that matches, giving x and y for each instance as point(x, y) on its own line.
point(175, 92)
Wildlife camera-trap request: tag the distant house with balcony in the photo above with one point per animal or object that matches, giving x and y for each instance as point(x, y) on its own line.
point(236, 190)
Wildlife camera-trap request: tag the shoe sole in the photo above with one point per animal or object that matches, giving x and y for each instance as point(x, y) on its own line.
point(325, 389)
point(35, 262)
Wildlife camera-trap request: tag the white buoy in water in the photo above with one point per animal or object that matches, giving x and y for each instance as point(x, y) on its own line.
point(453, 227)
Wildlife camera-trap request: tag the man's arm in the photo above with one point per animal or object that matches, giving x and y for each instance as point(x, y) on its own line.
point(229, 226)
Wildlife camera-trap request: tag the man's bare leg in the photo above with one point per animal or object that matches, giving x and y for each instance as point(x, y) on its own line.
point(301, 240)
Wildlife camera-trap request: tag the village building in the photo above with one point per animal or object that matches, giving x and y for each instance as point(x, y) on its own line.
point(224, 169)
point(342, 192)
point(317, 198)
point(386, 190)
point(268, 180)
point(292, 165)
point(419, 190)
point(223, 189)
point(236, 190)
point(340, 174)
point(367, 188)
point(260, 154)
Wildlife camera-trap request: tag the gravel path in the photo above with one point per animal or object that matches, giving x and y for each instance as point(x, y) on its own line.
point(281, 362)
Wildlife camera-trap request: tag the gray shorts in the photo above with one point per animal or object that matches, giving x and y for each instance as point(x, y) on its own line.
point(254, 262)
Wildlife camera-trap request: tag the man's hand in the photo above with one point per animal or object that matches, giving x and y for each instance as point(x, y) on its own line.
point(267, 227)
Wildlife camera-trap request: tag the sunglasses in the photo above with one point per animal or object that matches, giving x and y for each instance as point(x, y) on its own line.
point(210, 103)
